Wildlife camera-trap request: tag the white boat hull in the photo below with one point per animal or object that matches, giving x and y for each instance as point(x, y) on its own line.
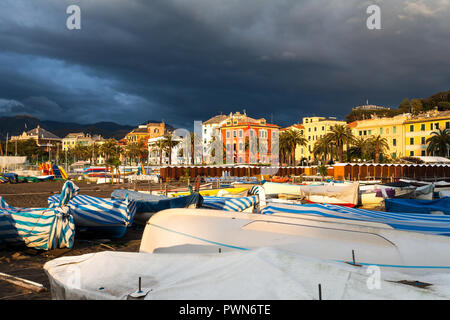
point(207, 231)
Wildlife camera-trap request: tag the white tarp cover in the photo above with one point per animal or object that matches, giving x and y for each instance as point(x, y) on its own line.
point(343, 192)
point(265, 273)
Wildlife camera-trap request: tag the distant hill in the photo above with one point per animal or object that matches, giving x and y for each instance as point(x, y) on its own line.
point(440, 100)
point(17, 124)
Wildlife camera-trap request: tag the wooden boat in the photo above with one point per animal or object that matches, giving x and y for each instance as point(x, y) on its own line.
point(372, 243)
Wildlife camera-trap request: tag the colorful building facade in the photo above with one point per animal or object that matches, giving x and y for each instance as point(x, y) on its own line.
point(237, 132)
point(314, 129)
point(419, 128)
point(392, 129)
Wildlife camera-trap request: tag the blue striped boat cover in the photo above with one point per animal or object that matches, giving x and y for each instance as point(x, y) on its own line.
point(229, 204)
point(424, 223)
point(38, 228)
point(98, 214)
point(69, 191)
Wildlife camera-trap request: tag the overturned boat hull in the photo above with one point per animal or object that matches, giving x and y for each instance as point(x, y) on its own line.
point(207, 231)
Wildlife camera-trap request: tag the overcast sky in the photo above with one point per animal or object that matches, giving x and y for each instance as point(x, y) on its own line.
point(186, 60)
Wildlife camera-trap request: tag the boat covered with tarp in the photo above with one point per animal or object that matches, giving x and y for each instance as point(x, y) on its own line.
point(279, 274)
point(38, 228)
point(438, 206)
point(424, 223)
point(371, 243)
point(107, 217)
point(148, 204)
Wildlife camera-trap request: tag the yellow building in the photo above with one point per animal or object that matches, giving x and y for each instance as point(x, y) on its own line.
point(314, 129)
point(148, 131)
point(392, 129)
point(79, 139)
point(419, 128)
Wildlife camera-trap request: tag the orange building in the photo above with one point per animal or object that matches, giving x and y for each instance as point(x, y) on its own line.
point(236, 134)
point(147, 131)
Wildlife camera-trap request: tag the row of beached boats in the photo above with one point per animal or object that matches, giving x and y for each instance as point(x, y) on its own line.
point(269, 227)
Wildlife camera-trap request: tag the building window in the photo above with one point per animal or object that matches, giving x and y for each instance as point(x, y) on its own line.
point(411, 153)
point(422, 127)
point(228, 134)
point(411, 141)
point(381, 130)
point(323, 128)
point(394, 129)
point(394, 142)
point(411, 128)
point(234, 133)
point(423, 140)
point(394, 155)
point(309, 129)
point(447, 125)
point(315, 128)
point(365, 132)
point(360, 133)
point(240, 133)
point(423, 152)
point(370, 132)
point(431, 126)
point(436, 125)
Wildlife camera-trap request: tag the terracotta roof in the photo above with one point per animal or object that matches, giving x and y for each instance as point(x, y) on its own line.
point(298, 126)
point(216, 119)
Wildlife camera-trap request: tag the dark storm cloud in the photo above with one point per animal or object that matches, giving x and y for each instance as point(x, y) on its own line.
point(186, 60)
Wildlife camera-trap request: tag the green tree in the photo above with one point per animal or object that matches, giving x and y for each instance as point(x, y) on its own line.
point(439, 143)
point(360, 149)
point(110, 149)
point(379, 146)
point(340, 135)
point(169, 143)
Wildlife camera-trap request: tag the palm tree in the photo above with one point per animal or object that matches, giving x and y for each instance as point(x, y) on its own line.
point(295, 139)
point(132, 150)
point(340, 135)
point(284, 146)
point(439, 143)
point(359, 149)
point(94, 150)
point(379, 145)
point(169, 144)
point(160, 146)
point(109, 149)
point(323, 147)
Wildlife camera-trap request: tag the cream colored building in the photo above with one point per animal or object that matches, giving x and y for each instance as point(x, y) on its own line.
point(314, 129)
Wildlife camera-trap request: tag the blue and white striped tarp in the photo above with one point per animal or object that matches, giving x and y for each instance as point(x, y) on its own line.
point(425, 223)
point(38, 228)
point(111, 217)
point(229, 204)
